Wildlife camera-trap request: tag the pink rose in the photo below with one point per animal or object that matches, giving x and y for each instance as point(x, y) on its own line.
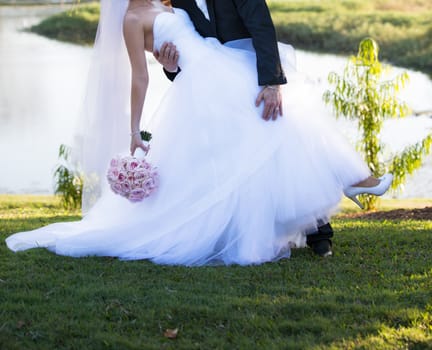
point(125, 187)
point(149, 183)
point(121, 176)
point(139, 175)
point(133, 164)
point(117, 188)
point(114, 162)
point(146, 166)
point(137, 183)
point(112, 175)
point(130, 176)
point(137, 195)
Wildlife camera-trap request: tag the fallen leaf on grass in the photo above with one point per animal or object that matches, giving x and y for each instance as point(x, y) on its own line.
point(21, 324)
point(171, 333)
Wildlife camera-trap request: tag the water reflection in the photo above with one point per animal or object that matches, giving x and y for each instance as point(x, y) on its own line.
point(41, 87)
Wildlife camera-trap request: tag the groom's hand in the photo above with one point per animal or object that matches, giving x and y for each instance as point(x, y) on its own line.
point(168, 57)
point(272, 98)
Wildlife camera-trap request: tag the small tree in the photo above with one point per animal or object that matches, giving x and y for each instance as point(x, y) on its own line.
point(362, 94)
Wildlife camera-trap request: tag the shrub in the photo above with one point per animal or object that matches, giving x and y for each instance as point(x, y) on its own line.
point(68, 180)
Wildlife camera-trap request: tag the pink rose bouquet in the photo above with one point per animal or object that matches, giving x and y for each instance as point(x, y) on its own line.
point(132, 178)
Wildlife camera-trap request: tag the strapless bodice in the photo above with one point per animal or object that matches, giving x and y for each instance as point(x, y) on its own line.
point(176, 27)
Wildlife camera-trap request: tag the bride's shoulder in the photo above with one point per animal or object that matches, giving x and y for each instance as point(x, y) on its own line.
point(132, 18)
point(134, 21)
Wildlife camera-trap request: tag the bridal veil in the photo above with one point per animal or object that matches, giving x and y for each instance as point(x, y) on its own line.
point(103, 125)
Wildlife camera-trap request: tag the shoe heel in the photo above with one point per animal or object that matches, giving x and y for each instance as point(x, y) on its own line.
point(356, 201)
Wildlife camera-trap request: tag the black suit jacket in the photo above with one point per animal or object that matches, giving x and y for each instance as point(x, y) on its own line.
point(239, 19)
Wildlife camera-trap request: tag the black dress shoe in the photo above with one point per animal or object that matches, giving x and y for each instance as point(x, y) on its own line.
point(322, 248)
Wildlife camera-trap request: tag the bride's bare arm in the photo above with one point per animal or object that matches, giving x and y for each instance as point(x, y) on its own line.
point(133, 31)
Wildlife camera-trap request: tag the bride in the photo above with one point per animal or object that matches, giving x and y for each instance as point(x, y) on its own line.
point(234, 189)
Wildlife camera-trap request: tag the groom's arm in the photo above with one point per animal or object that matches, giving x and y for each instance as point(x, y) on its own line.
point(256, 18)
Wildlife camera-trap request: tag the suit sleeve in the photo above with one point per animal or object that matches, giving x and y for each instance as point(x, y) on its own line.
point(256, 18)
point(171, 76)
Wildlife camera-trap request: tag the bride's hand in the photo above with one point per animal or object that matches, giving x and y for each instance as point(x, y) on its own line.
point(168, 57)
point(136, 142)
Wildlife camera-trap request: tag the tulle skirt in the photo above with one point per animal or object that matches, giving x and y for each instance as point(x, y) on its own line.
point(234, 189)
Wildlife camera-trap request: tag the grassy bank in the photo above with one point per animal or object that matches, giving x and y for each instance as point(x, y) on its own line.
point(375, 293)
point(77, 25)
point(402, 28)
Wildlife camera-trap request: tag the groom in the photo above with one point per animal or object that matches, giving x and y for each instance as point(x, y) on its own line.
point(245, 23)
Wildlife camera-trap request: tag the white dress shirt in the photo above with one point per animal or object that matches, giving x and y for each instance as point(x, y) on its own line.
point(202, 4)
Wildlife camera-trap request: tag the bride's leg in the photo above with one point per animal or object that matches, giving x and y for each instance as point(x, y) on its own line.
point(371, 185)
point(368, 182)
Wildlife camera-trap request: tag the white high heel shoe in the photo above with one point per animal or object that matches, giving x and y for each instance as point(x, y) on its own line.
point(352, 192)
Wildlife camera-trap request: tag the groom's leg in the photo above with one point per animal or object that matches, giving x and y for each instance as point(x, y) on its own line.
point(320, 241)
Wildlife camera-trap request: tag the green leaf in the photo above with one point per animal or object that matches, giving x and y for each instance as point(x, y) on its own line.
point(145, 135)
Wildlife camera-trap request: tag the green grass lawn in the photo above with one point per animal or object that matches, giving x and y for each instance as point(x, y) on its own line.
point(375, 293)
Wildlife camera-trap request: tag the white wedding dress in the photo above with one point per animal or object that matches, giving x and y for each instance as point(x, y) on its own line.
point(234, 189)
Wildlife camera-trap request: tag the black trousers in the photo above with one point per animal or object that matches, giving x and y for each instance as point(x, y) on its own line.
point(324, 232)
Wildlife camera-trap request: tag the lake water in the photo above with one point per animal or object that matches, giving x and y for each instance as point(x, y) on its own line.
point(42, 83)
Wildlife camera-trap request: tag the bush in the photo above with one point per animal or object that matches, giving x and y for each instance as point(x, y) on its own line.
point(68, 181)
point(77, 25)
